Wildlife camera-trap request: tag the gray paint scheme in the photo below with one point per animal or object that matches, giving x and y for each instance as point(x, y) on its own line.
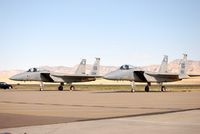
point(95, 69)
point(128, 73)
point(81, 68)
point(163, 66)
point(36, 74)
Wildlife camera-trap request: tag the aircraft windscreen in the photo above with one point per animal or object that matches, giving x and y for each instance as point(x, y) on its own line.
point(126, 67)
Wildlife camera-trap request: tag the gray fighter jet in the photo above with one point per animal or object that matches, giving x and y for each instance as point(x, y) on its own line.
point(37, 74)
point(129, 73)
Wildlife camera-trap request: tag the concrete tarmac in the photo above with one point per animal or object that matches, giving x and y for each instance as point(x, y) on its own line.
point(33, 108)
point(187, 122)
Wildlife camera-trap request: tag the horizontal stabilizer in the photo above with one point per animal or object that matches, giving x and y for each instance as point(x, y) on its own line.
point(194, 75)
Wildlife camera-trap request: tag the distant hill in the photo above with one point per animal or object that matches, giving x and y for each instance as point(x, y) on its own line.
point(192, 68)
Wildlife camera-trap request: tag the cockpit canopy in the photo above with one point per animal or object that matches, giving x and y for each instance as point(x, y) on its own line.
point(33, 70)
point(37, 70)
point(126, 67)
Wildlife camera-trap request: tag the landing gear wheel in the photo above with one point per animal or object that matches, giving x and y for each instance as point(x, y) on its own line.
point(147, 89)
point(163, 89)
point(132, 90)
point(72, 88)
point(60, 88)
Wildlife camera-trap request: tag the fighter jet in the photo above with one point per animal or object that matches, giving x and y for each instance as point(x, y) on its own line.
point(41, 75)
point(129, 73)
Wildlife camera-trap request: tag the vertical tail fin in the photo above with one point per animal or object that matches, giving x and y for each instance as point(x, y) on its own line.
point(81, 68)
point(182, 72)
point(96, 67)
point(164, 65)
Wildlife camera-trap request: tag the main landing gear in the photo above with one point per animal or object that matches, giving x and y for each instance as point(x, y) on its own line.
point(61, 87)
point(72, 88)
point(147, 87)
point(162, 88)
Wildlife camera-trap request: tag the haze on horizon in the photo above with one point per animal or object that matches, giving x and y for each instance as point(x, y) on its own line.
point(61, 32)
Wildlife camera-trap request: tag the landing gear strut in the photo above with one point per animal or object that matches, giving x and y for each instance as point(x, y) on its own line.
point(163, 88)
point(147, 87)
point(41, 86)
point(60, 88)
point(133, 86)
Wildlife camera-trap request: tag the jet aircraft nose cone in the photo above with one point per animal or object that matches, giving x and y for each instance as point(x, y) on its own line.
point(17, 77)
point(108, 76)
point(13, 77)
point(105, 76)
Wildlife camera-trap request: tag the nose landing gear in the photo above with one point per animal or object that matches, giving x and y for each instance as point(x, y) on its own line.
point(133, 86)
point(41, 86)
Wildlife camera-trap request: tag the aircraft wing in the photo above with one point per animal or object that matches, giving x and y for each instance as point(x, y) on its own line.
point(76, 76)
point(163, 75)
point(170, 75)
point(155, 77)
point(73, 78)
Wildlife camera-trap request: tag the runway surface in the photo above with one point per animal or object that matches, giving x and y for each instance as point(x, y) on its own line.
point(33, 108)
point(187, 122)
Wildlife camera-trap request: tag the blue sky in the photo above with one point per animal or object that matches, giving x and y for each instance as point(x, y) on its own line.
point(62, 32)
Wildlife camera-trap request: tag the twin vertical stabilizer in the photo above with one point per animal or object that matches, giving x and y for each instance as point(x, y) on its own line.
point(96, 67)
point(82, 67)
point(164, 65)
point(182, 72)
